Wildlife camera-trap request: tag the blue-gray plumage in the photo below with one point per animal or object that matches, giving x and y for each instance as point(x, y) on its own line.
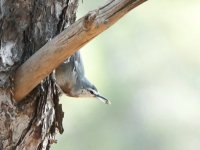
point(70, 76)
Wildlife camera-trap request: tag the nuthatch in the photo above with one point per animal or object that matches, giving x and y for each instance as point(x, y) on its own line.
point(71, 78)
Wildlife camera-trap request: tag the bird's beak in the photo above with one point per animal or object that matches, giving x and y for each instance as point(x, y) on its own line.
point(103, 99)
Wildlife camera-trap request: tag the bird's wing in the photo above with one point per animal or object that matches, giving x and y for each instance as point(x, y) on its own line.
point(78, 63)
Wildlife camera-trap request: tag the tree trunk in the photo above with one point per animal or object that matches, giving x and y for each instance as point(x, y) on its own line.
point(25, 26)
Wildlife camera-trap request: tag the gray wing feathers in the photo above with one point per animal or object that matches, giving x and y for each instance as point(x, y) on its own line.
point(79, 63)
point(70, 71)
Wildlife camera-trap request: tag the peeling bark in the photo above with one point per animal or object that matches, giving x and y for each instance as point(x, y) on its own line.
point(25, 27)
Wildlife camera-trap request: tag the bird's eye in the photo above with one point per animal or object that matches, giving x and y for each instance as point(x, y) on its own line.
point(91, 92)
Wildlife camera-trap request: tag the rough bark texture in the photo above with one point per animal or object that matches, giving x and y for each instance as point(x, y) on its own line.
point(25, 26)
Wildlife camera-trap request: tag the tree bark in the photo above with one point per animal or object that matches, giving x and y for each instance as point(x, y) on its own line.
point(25, 27)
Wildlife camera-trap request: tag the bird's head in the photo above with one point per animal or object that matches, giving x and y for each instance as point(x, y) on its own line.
point(94, 93)
point(89, 90)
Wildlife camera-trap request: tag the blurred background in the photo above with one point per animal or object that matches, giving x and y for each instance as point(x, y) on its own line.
point(148, 65)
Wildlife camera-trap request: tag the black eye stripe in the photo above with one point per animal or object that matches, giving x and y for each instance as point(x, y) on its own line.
point(91, 92)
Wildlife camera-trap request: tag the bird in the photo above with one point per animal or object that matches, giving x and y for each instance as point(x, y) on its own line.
point(70, 77)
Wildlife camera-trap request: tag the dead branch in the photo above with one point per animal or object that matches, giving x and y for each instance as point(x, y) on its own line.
point(53, 53)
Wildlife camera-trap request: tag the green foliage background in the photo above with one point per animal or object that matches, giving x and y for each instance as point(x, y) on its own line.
point(148, 65)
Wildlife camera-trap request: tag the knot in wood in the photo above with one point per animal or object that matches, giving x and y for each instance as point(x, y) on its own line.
point(90, 19)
